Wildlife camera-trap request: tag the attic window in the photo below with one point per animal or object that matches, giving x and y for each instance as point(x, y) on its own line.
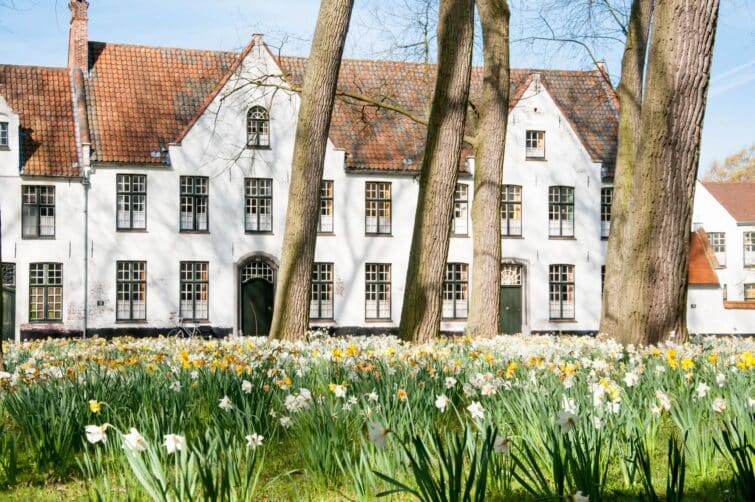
point(535, 142)
point(3, 134)
point(257, 128)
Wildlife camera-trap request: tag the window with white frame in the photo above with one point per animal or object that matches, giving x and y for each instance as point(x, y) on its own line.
point(131, 291)
point(718, 244)
point(455, 291)
point(561, 282)
point(749, 248)
point(749, 292)
point(606, 199)
point(321, 302)
point(511, 210)
point(325, 223)
point(45, 292)
point(535, 142)
point(195, 291)
point(460, 220)
point(131, 201)
point(377, 207)
point(38, 213)
point(4, 140)
point(377, 291)
point(257, 128)
point(258, 205)
point(194, 203)
point(561, 211)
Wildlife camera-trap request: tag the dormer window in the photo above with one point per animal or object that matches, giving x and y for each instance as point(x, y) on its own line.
point(535, 142)
point(257, 128)
point(4, 135)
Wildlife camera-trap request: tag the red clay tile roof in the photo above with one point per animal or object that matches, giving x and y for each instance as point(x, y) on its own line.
point(737, 197)
point(42, 99)
point(702, 260)
point(142, 98)
point(139, 99)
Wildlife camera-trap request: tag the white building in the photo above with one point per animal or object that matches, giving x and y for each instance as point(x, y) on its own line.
point(721, 295)
point(143, 187)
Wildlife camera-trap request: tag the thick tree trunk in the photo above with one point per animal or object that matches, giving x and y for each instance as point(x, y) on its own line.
point(488, 174)
point(421, 313)
point(630, 105)
point(291, 315)
point(665, 170)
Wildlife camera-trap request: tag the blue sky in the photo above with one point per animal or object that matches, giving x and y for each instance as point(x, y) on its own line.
point(36, 33)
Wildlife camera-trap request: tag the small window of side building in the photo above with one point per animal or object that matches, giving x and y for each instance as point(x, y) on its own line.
point(325, 223)
point(4, 139)
point(718, 244)
point(749, 249)
point(606, 199)
point(535, 144)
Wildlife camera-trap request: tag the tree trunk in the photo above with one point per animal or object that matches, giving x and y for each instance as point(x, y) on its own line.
point(488, 174)
point(665, 170)
point(291, 315)
point(421, 312)
point(630, 105)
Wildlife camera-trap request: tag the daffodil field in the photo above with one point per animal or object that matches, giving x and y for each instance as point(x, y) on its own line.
point(354, 418)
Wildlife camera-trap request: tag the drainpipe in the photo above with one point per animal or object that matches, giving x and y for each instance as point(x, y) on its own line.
point(85, 184)
point(82, 129)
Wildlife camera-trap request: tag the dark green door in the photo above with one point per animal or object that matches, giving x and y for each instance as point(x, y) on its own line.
point(510, 321)
point(256, 307)
point(9, 313)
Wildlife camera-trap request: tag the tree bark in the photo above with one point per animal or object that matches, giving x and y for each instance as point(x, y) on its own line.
point(630, 105)
point(488, 174)
point(665, 169)
point(421, 312)
point(291, 315)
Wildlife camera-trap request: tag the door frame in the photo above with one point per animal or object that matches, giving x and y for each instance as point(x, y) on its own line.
point(271, 261)
point(524, 266)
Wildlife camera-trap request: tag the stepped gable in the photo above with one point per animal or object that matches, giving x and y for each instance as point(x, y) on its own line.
point(42, 98)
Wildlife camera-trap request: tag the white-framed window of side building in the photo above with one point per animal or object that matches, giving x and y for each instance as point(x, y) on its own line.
point(561, 211)
point(131, 195)
point(325, 223)
point(377, 220)
point(606, 199)
point(38, 211)
point(377, 291)
point(718, 244)
point(749, 249)
point(561, 283)
point(460, 220)
point(535, 144)
point(321, 300)
point(131, 291)
point(456, 291)
point(511, 210)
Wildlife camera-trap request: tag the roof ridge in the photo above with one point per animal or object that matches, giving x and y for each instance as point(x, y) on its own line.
point(31, 66)
point(165, 47)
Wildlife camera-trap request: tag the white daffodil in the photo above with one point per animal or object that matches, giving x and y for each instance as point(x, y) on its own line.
point(476, 410)
point(566, 420)
point(718, 405)
point(663, 400)
point(720, 379)
point(225, 404)
point(96, 433)
point(378, 434)
point(441, 402)
point(134, 441)
point(286, 422)
point(502, 444)
point(175, 385)
point(702, 390)
point(246, 387)
point(174, 442)
point(568, 404)
point(631, 379)
point(450, 382)
point(372, 396)
point(254, 440)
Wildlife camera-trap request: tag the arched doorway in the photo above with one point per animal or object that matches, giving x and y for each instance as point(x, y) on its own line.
point(256, 295)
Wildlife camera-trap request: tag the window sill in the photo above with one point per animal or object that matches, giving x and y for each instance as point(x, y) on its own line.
point(258, 232)
point(562, 238)
point(183, 322)
point(42, 322)
point(721, 267)
point(326, 234)
point(367, 234)
point(325, 321)
point(512, 237)
point(4, 148)
point(259, 147)
point(460, 236)
point(194, 231)
point(132, 230)
point(604, 238)
point(378, 321)
point(130, 321)
point(38, 238)
point(453, 319)
point(536, 159)
point(562, 321)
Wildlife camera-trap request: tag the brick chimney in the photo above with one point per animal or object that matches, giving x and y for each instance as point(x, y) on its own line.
point(78, 37)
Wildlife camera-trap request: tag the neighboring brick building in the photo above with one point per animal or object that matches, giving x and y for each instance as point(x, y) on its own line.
point(143, 187)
